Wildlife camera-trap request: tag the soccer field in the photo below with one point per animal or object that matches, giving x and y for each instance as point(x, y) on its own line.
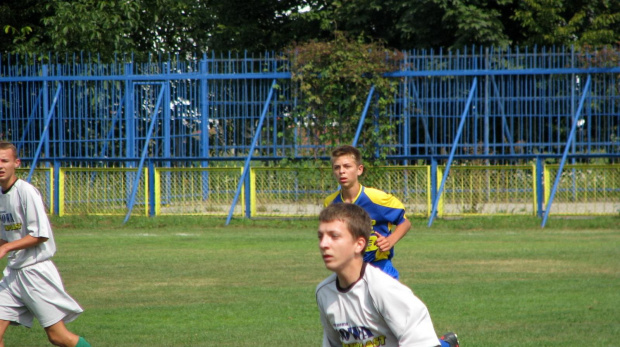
point(193, 281)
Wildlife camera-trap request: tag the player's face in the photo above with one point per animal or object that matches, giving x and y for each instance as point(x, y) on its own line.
point(8, 163)
point(338, 247)
point(346, 170)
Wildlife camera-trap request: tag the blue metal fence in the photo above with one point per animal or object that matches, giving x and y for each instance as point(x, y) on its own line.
point(82, 112)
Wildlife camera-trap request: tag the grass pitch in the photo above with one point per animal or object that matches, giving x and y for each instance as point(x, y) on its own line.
point(192, 281)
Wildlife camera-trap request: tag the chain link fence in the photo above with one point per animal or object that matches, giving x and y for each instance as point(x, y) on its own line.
point(488, 190)
point(299, 192)
point(584, 189)
point(101, 191)
point(197, 191)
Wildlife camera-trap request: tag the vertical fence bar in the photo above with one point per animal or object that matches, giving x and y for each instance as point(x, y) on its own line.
point(586, 92)
point(363, 116)
point(44, 133)
point(454, 146)
point(246, 166)
point(134, 190)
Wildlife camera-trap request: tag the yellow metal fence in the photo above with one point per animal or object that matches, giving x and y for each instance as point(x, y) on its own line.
point(299, 192)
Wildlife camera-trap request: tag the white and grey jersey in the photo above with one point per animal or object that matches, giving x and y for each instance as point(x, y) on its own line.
point(22, 213)
point(377, 310)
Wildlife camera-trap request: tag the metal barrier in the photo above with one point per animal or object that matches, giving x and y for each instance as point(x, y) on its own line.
point(549, 105)
point(275, 192)
point(523, 108)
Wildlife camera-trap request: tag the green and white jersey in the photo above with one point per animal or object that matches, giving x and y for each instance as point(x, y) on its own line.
point(377, 310)
point(22, 213)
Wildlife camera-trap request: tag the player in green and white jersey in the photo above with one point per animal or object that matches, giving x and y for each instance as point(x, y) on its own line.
point(31, 286)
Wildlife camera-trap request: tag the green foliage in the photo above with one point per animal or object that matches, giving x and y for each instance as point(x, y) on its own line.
point(459, 23)
point(21, 27)
point(97, 26)
point(334, 79)
point(557, 22)
point(144, 27)
point(477, 22)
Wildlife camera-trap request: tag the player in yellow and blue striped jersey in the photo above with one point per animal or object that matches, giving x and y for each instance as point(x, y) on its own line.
point(389, 222)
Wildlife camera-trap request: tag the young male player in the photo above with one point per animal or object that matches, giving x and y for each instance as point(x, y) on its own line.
point(389, 222)
point(360, 305)
point(31, 286)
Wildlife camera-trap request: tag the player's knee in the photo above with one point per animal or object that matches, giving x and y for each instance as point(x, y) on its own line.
point(58, 340)
point(54, 340)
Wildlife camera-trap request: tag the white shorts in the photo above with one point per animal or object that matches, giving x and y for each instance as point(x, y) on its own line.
point(36, 291)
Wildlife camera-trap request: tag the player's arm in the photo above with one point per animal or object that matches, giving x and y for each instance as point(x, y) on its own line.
point(405, 314)
point(386, 243)
point(23, 243)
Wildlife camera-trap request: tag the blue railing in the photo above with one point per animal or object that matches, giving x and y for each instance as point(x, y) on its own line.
point(523, 108)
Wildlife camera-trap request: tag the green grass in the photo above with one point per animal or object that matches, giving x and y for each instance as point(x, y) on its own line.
point(192, 281)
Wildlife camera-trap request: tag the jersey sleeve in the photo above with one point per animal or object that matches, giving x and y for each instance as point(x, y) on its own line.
point(405, 314)
point(391, 209)
point(35, 218)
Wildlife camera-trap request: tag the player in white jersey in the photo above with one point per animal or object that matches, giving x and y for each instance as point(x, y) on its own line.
point(31, 286)
point(359, 304)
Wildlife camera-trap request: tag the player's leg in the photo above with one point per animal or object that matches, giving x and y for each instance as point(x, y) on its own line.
point(12, 309)
point(3, 325)
point(47, 299)
point(59, 335)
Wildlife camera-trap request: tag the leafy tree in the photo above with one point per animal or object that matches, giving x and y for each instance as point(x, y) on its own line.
point(257, 26)
point(334, 79)
point(20, 25)
point(96, 26)
point(401, 24)
point(106, 27)
point(145, 27)
point(561, 22)
point(477, 22)
point(458, 23)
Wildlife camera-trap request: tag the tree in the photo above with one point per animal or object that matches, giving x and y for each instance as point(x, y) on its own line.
point(190, 27)
point(334, 79)
point(478, 22)
point(562, 22)
point(21, 27)
point(95, 26)
point(400, 24)
point(151, 26)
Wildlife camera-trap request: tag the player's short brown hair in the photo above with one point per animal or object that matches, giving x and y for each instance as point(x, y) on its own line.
point(347, 150)
point(354, 217)
point(8, 145)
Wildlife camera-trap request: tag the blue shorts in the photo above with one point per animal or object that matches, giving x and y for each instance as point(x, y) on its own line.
point(386, 266)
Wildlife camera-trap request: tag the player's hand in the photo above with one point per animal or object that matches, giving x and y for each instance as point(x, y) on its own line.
point(383, 243)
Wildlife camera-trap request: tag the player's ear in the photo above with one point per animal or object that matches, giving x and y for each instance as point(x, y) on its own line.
point(17, 162)
point(360, 245)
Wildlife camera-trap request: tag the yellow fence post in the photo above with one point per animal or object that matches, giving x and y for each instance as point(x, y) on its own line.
point(547, 180)
point(252, 192)
point(61, 192)
point(535, 174)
